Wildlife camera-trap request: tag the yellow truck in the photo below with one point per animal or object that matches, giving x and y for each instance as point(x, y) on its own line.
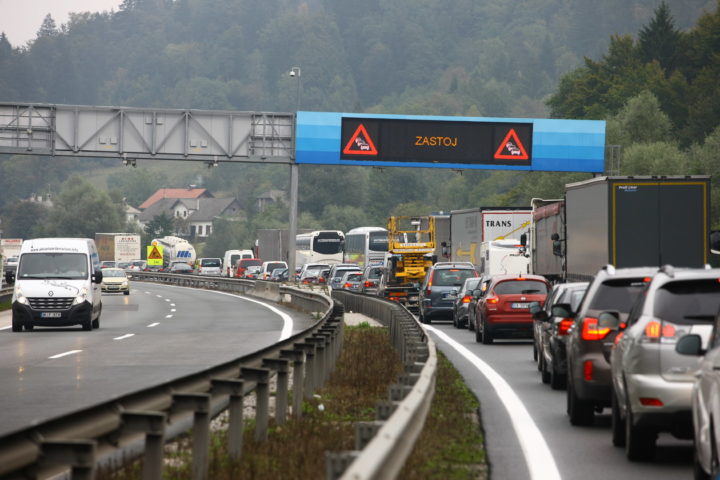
point(411, 252)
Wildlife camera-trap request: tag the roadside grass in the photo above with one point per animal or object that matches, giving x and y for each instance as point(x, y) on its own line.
point(451, 445)
point(5, 305)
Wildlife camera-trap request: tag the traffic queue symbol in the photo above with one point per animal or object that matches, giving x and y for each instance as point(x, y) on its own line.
point(511, 148)
point(360, 143)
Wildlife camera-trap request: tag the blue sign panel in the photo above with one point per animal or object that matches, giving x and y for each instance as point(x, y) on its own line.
point(329, 138)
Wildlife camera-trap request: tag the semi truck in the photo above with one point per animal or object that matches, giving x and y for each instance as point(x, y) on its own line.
point(470, 228)
point(411, 253)
point(625, 222)
point(118, 247)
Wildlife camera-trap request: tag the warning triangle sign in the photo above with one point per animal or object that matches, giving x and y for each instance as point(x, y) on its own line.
point(360, 143)
point(154, 253)
point(511, 148)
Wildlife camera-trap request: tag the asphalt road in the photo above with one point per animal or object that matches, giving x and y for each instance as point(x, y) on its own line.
point(543, 444)
point(155, 334)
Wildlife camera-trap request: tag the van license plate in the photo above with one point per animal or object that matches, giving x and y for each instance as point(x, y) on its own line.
point(50, 315)
point(521, 305)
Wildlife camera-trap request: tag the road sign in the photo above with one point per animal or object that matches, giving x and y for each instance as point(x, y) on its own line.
point(332, 138)
point(155, 254)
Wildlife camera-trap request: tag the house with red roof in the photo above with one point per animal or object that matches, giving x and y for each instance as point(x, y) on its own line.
point(176, 194)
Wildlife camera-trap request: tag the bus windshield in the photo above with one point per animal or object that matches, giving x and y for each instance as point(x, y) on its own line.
point(327, 243)
point(377, 241)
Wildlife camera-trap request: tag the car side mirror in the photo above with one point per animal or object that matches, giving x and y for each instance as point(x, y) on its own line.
point(97, 277)
point(10, 276)
point(562, 310)
point(690, 345)
point(609, 319)
point(477, 293)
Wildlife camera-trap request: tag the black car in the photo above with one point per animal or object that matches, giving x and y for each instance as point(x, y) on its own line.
point(551, 328)
point(181, 268)
point(589, 344)
point(440, 287)
point(463, 299)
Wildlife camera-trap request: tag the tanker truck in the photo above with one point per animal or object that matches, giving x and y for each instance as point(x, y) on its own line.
point(175, 249)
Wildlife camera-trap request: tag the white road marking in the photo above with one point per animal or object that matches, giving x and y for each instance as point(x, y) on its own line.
point(167, 299)
point(123, 337)
point(172, 304)
point(65, 354)
point(173, 310)
point(168, 316)
point(5, 328)
point(538, 456)
point(154, 324)
point(158, 296)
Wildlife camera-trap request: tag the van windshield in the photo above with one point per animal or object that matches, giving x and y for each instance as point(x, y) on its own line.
point(69, 266)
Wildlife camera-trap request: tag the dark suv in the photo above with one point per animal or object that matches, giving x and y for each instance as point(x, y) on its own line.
point(589, 344)
point(440, 287)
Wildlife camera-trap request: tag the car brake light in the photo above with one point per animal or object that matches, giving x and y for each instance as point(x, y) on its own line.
point(564, 326)
point(651, 402)
point(370, 283)
point(591, 331)
point(347, 285)
point(588, 370)
point(466, 299)
point(654, 331)
point(492, 300)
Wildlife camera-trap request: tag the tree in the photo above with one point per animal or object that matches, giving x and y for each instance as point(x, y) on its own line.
point(81, 210)
point(657, 158)
point(160, 226)
point(21, 218)
point(660, 40)
point(48, 27)
point(641, 120)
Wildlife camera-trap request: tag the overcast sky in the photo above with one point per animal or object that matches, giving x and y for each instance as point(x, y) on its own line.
point(21, 19)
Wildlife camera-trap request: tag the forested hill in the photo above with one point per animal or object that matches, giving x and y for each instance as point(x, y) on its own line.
point(649, 68)
point(497, 58)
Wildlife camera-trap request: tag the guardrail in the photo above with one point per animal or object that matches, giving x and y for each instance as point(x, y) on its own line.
point(77, 441)
point(150, 417)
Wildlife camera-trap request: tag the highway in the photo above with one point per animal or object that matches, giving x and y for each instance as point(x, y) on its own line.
point(543, 445)
point(155, 334)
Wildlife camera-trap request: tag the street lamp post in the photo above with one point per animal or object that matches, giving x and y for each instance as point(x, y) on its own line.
point(296, 73)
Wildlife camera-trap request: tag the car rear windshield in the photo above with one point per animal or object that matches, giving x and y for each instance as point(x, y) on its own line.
point(273, 266)
point(527, 287)
point(211, 262)
point(250, 263)
point(375, 272)
point(688, 302)
point(617, 294)
point(449, 277)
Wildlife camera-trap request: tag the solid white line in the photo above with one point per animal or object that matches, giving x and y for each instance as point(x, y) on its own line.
point(154, 324)
point(123, 337)
point(5, 328)
point(288, 323)
point(64, 354)
point(538, 456)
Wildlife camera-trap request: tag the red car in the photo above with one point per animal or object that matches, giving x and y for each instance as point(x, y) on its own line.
point(243, 264)
point(504, 309)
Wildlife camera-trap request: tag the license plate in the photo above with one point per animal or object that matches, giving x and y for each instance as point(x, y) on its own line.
point(50, 315)
point(521, 305)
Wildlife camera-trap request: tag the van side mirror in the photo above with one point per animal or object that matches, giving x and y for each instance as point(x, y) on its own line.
point(609, 319)
point(97, 276)
point(562, 310)
point(690, 345)
point(10, 276)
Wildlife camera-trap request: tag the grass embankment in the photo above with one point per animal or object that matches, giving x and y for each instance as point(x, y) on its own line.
point(450, 447)
point(5, 305)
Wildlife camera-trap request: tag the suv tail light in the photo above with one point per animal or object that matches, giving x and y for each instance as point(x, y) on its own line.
point(591, 330)
point(466, 299)
point(655, 332)
point(369, 283)
point(564, 326)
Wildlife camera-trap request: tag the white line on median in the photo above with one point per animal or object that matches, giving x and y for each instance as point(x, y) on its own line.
point(65, 354)
point(538, 456)
point(154, 324)
point(123, 337)
point(5, 328)
point(287, 319)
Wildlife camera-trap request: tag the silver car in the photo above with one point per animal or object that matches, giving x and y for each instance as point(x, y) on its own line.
point(705, 401)
point(652, 383)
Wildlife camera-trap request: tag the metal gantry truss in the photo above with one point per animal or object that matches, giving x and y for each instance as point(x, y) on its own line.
point(146, 133)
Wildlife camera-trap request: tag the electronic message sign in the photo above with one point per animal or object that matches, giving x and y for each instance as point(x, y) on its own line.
point(393, 140)
point(331, 138)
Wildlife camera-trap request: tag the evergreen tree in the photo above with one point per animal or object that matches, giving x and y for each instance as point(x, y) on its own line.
point(660, 40)
point(48, 27)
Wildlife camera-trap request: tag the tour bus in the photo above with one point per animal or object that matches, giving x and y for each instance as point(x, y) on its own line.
point(322, 246)
point(366, 246)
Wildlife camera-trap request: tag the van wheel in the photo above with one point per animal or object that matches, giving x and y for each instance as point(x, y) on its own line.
point(29, 327)
point(127, 292)
point(96, 323)
point(87, 325)
point(16, 325)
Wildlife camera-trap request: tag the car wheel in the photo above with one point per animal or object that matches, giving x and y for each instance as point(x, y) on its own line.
point(699, 472)
point(471, 325)
point(557, 379)
point(455, 321)
point(544, 372)
point(535, 352)
point(478, 337)
point(618, 425)
point(16, 325)
point(580, 411)
point(487, 337)
point(127, 292)
point(639, 441)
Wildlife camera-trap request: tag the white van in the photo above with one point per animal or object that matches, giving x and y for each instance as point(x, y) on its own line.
point(268, 267)
point(500, 257)
point(230, 259)
point(57, 283)
point(208, 266)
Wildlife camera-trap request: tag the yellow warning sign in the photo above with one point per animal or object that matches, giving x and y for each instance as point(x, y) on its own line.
point(155, 255)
